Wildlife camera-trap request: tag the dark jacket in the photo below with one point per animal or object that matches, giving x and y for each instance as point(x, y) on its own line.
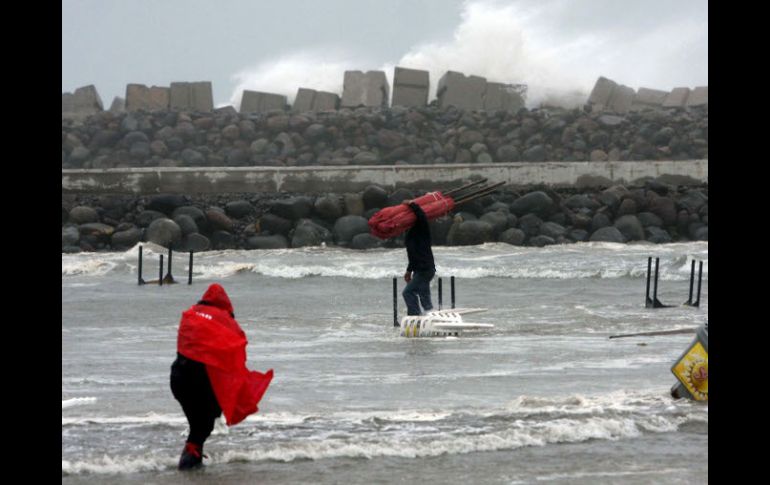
point(418, 243)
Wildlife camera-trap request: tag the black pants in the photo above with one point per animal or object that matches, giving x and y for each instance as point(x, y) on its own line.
point(190, 386)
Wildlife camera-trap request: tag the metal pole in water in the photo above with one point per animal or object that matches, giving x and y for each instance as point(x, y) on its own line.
point(655, 288)
point(439, 293)
point(452, 284)
point(140, 281)
point(160, 271)
point(692, 278)
point(189, 276)
point(647, 301)
point(395, 302)
point(700, 276)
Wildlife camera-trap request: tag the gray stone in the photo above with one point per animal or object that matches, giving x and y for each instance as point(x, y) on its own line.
point(293, 208)
point(83, 214)
point(192, 96)
point(308, 233)
point(498, 221)
point(578, 235)
point(325, 101)
point(195, 243)
point(218, 220)
point(303, 102)
point(552, 230)
point(649, 98)
point(599, 221)
point(630, 227)
point(238, 209)
point(601, 93)
point(366, 241)
point(513, 236)
point(276, 241)
point(83, 102)
point(146, 217)
point(166, 203)
point(466, 93)
point(70, 235)
point(348, 226)
point(676, 98)
point(698, 97)
point(164, 232)
point(410, 87)
point(274, 224)
point(223, 240)
point(195, 213)
point(469, 233)
point(530, 224)
point(657, 235)
point(608, 234)
point(502, 97)
point(126, 239)
point(186, 224)
point(541, 240)
point(692, 200)
point(537, 202)
point(621, 99)
point(140, 97)
point(365, 89)
point(259, 102)
point(648, 219)
point(118, 105)
point(354, 204)
point(328, 207)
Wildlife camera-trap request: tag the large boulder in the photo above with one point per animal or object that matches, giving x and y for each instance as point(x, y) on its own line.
point(308, 233)
point(167, 203)
point(470, 233)
point(195, 243)
point(692, 201)
point(608, 234)
point(276, 241)
point(218, 220)
point(238, 209)
point(630, 227)
point(145, 218)
point(537, 202)
point(195, 213)
point(275, 224)
point(294, 208)
point(552, 230)
point(513, 236)
point(375, 197)
point(346, 227)
point(328, 207)
point(498, 221)
point(164, 232)
point(83, 214)
point(186, 224)
point(366, 241)
point(126, 239)
point(70, 235)
point(657, 235)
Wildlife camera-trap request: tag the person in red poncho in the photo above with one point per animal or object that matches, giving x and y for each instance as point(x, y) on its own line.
point(209, 376)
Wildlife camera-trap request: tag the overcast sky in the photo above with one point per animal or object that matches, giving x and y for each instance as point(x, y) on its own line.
point(554, 46)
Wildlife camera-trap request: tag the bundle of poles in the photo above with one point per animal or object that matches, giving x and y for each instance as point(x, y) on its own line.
point(461, 195)
point(392, 221)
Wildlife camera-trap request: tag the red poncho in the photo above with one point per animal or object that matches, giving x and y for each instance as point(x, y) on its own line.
point(208, 334)
point(392, 221)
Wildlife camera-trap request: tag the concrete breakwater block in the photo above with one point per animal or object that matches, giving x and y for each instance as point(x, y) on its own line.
point(365, 89)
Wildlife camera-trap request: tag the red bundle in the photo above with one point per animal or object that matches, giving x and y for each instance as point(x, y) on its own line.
point(392, 221)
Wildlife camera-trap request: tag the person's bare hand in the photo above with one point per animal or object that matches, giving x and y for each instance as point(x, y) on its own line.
point(408, 276)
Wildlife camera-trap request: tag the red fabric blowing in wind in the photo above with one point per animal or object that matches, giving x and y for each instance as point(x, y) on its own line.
point(392, 221)
point(208, 334)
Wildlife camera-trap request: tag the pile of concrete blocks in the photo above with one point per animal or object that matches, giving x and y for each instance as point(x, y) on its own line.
point(410, 87)
point(608, 95)
point(191, 96)
point(140, 97)
point(476, 93)
point(365, 89)
point(259, 102)
point(83, 102)
point(312, 100)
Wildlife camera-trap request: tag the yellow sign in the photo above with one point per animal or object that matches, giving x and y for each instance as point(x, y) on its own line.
point(693, 372)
